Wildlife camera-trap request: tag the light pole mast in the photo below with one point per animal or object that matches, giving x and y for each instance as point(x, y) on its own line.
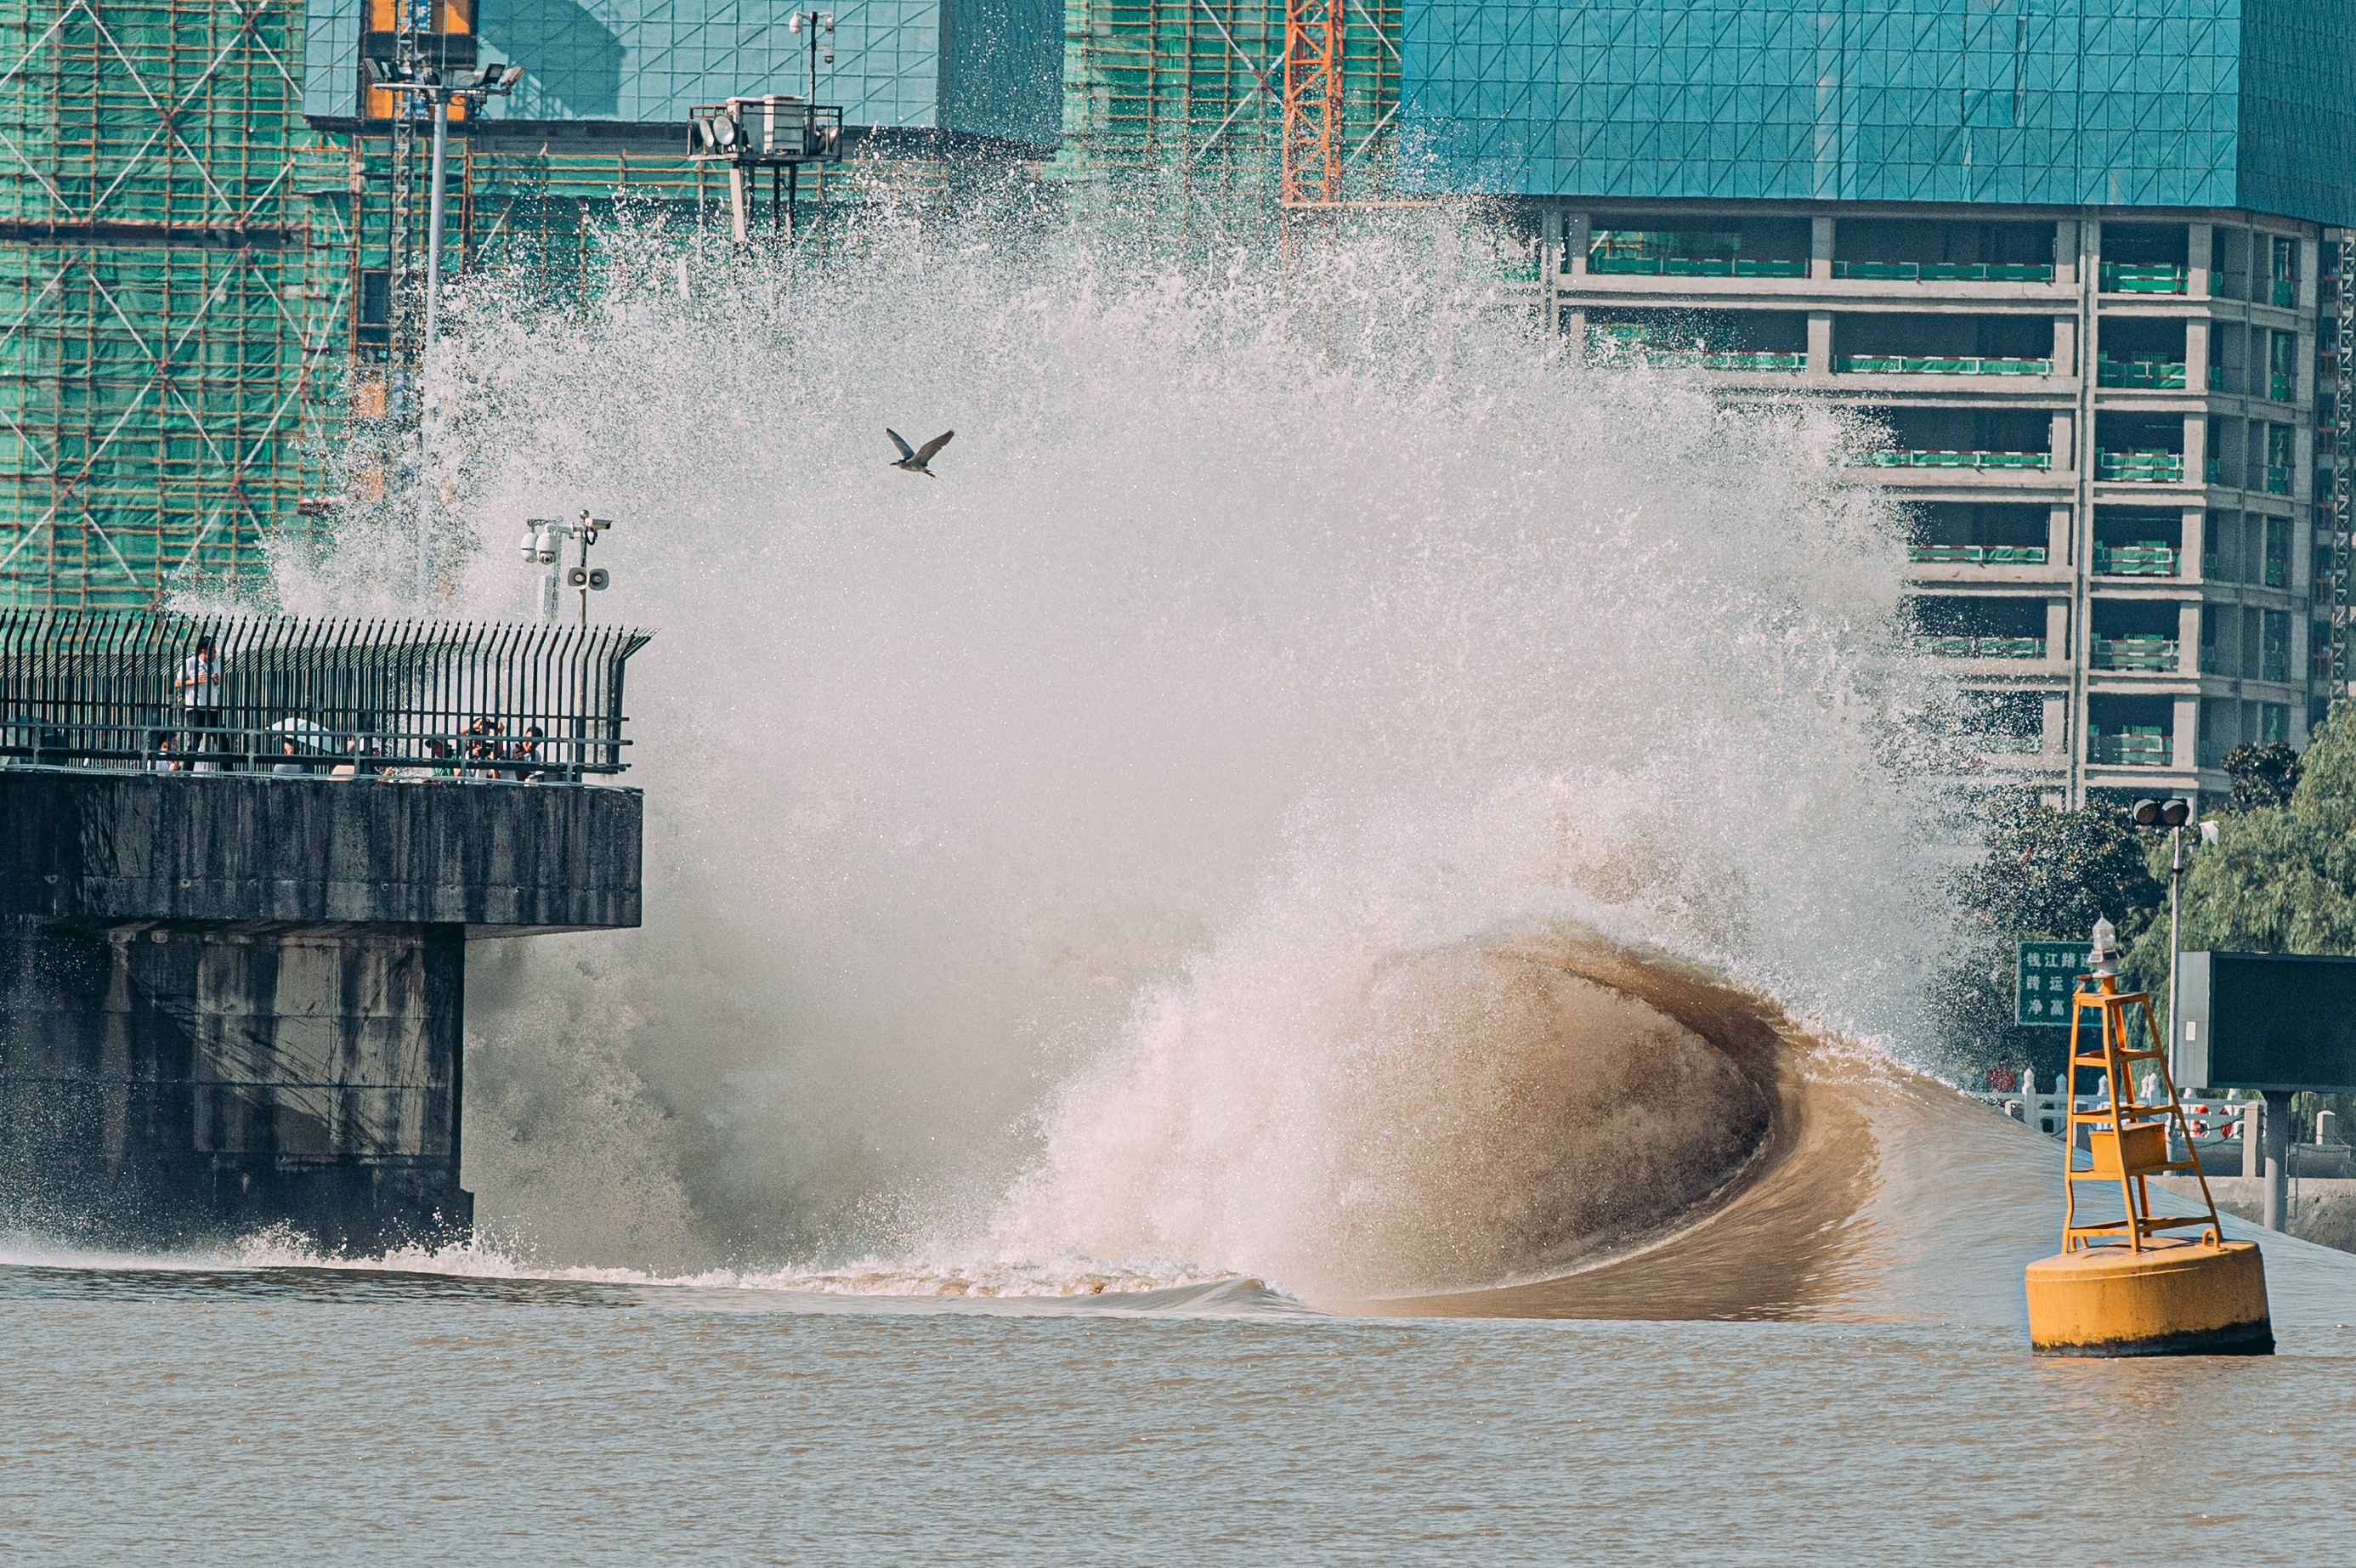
point(492, 81)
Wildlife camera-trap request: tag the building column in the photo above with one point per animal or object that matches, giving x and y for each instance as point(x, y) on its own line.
point(2056, 536)
point(1577, 232)
point(2184, 750)
point(2195, 543)
point(2065, 254)
point(2196, 445)
point(1574, 327)
point(2195, 354)
point(2057, 630)
point(2064, 454)
point(1820, 248)
point(2311, 276)
point(2065, 345)
point(2187, 649)
point(2198, 257)
point(1820, 338)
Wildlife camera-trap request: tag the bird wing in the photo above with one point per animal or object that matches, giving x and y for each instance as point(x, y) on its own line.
point(905, 449)
point(924, 453)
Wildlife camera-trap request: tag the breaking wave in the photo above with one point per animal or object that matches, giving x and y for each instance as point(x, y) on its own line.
point(1283, 799)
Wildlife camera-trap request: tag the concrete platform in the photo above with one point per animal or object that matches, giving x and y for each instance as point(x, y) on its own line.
point(228, 1001)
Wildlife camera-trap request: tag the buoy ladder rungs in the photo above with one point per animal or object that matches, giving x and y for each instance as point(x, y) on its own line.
point(2128, 1139)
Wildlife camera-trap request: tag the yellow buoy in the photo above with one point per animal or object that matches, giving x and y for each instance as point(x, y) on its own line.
point(2119, 1288)
point(2173, 1297)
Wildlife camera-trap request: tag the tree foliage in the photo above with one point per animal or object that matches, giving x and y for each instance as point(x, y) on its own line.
point(2280, 878)
point(2262, 775)
point(2046, 874)
point(2054, 874)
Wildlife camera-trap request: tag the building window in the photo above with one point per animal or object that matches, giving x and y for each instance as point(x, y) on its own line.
point(2278, 550)
point(2274, 722)
point(2274, 650)
point(2282, 270)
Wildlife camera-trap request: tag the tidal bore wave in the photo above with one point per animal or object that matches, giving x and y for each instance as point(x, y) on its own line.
point(1323, 787)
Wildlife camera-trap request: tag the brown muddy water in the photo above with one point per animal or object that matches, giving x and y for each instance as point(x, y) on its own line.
point(1823, 1359)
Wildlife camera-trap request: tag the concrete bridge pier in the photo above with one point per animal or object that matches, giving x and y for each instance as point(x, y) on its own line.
point(234, 1001)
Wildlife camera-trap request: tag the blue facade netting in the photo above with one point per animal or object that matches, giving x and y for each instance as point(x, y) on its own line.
point(2234, 103)
point(989, 67)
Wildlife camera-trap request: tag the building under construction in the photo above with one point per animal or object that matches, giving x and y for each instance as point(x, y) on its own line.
point(168, 323)
point(2088, 267)
point(212, 225)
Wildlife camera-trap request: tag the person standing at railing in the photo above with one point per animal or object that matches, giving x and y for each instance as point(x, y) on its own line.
point(199, 685)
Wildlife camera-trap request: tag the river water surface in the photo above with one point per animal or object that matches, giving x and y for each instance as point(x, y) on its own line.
point(222, 1410)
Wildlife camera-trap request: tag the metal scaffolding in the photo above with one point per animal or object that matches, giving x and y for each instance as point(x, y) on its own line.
point(1249, 102)
point(2340, 518)
point(160, 322)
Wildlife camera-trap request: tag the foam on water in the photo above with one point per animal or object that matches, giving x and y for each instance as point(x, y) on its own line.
point(1097, 847)
point(268, 1259)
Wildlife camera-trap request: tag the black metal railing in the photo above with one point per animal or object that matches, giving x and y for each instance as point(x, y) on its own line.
point(396, 699)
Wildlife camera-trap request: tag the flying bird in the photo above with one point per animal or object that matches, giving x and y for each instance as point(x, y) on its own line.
point(915, 459)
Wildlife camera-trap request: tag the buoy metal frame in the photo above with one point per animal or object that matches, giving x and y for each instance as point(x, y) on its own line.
point(2121, 1139)
point(2156, 1295)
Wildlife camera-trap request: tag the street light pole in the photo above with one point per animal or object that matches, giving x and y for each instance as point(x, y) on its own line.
point(2172, 814)
point(491, 81)
point(440, 99)
point(2175, 930)
point(440, 102)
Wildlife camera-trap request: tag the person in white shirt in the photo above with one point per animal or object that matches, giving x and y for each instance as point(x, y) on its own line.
point(199, 685)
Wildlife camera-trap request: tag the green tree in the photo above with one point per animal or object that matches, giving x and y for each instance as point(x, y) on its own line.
point(2054, 874)
point(2262, 775)
point(2280, 878)
point(2046, 874)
